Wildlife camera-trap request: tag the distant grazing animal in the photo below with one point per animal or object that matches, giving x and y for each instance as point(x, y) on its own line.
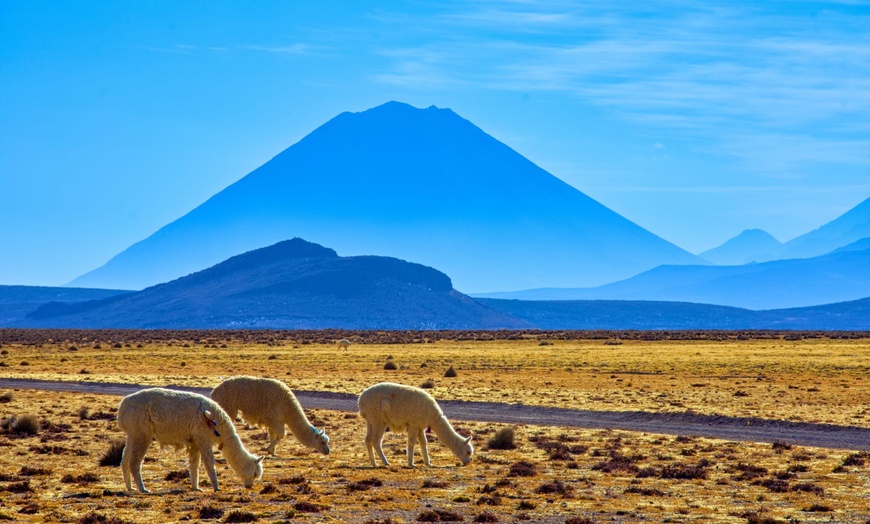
point(269, 403)
point(344, 344)
point(184, 420)
point(398, 407)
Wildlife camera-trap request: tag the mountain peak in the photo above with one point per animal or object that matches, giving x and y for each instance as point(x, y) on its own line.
point(750, 245)
point(415, 184)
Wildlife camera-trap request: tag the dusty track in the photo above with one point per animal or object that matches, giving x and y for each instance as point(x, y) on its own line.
point(721, 427)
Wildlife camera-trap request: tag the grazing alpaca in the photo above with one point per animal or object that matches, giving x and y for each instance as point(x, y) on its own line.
point(270, 403)
point(184, 420)
point(398, 407)
point(344, 344)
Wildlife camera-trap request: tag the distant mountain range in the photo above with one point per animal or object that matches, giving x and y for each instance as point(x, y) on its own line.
point(843, 275)
point(293, 284)
point(651, 315)
point(297, 284)
point(755, 245)
point(417, 184)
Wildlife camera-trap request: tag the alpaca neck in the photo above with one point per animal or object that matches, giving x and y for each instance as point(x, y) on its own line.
point(299, 425)
point(236, 454)
point(448, 435)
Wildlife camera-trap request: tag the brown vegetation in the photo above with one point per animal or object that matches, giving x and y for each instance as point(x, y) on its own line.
point(52, 471)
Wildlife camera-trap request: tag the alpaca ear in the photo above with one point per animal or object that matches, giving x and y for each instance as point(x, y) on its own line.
point(260, 459)
point(468, 439)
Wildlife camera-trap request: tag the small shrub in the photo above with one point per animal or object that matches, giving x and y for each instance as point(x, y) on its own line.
point(25, 425)
point(523, 469)
point(84, 412)
point(241, 516)
point(27, 471)
point(819, 508)
point(179, 475)
point(579, 520)
point(856, 459)
point(298, 479)
point(428, 384)
point(450, 373)
point(95, 518)
point(390, 366)
point(555, 486)
point(308, 507)
point(647, 492)
point(210, 512)
point(366, 484)
point(779, 446)
point(268, 489)
point(749, 472)
point(774, 485)
point(503, 439)
point(618, 462)
point(435, 483)
point(113, 455)
point(489, 500)
point(526, 505)
point(809, 487)
point(5, 398)
point(486, 516)
point(29, 509)
point(684, 471)
point(19, 487)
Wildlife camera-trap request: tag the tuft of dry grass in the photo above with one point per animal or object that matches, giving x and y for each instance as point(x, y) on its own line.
point(502, 439)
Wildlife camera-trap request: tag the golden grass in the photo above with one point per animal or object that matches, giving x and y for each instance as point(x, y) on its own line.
point(603, 476)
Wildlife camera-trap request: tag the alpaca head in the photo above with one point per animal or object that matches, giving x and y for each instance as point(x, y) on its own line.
point(253, 472)
point(321, 441)
point(465, 452)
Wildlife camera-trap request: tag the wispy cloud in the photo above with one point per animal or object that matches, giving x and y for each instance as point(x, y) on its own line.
point(776, 76)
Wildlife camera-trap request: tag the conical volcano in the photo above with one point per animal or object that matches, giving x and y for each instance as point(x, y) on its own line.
point(418, 184)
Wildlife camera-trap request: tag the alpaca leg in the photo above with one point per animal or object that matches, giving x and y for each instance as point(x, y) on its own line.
point(424, 449)
point(412, 438)
point(208, 460)
point(193, 466)
point(370, 442)
point(378, 441)
point(131, 461)
point(276, 433)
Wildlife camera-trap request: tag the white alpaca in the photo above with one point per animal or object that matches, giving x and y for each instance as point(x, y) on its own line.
point(412, 409)
point(344, 344)
point(184, 420)
point(269, 403)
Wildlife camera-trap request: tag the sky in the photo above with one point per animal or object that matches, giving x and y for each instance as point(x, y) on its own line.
point(696, 120)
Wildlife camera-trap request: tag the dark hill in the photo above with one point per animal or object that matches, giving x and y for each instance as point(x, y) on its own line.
point(17, 301)
point(292, 284)
point(415, 184)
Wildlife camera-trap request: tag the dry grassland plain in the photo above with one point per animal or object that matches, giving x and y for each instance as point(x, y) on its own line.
point(51, 473)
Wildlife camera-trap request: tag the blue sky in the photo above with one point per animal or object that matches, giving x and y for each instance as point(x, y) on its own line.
point(694, 119)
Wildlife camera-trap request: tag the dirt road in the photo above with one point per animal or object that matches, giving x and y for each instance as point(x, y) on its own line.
point(721, 427)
